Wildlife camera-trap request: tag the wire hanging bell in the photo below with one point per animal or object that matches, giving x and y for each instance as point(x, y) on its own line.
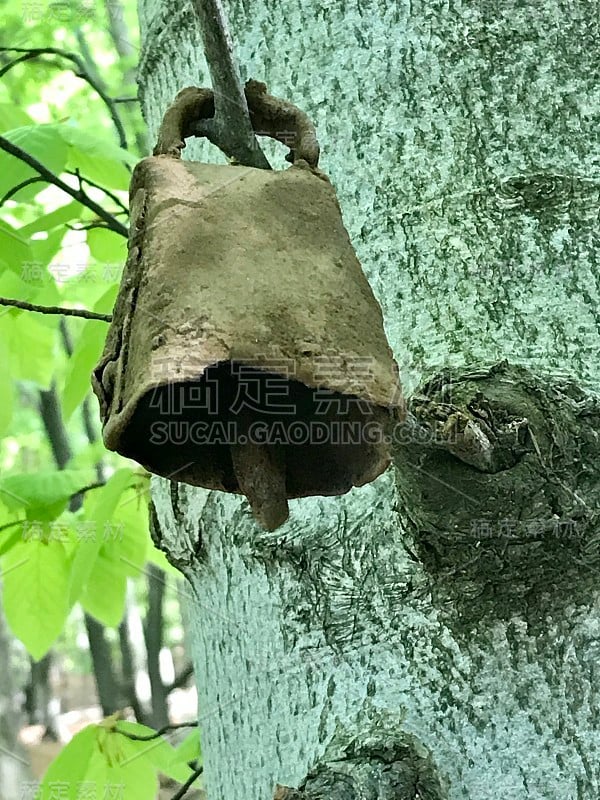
point(246, 351)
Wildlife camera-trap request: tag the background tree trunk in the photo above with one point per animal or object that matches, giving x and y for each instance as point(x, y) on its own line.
point(15, 771)
point(153, 639)
point(39, 697)
point(110, 693)
point(353, 642)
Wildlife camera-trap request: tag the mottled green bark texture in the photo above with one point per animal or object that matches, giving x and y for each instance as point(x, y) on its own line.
point(435, 634)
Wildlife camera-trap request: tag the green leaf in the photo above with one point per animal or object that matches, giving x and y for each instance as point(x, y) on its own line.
point(30, 343)
point(117, 772)
point(70, 767)
point(104, 593)
point(14, 249)
point(35, 592)
point(43, 495)
point(10, 536)
point(45, 249)
point(106, 246)
point(156, 556)
point(158, 753)
point(31, 346)
point(102, 762)
point(94, 288)
point(130, 533)
point(89, 455)
point(189, 749)
point(106, 303)
point(12, 283)
point(85, 357)
point(6, 391)
point(97, 157)
point(11, 116)
point(11, 528)
point(43, 142)
point(123, 554)
point(24, 266)
point(96, 145)
point(57, 218)
point(100, 510)
point(47, 295)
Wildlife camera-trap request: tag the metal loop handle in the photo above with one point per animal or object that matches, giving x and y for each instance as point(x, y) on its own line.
point(269, 115)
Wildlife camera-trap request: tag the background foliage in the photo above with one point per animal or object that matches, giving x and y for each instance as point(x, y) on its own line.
point(73, 517)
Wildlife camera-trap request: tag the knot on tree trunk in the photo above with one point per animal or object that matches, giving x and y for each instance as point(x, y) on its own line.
point(398, 770)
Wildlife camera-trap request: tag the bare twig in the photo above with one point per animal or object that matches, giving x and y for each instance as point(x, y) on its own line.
point(76, 194)
point(90, 226)
point(157, 734)
point(15, 189)
point(181, 678)
point(81, 72)
point(230, 129)
point(89, 182)
point(11, 524)
point(97, 485)
point(66, 312)
point(188, 784)
point(86, 55)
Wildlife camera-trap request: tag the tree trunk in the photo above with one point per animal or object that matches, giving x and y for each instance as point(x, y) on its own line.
point(39, 697)
point(153, 638)
point(14, 766)
point(134, 661)
point(435, 634)
point(110, 694)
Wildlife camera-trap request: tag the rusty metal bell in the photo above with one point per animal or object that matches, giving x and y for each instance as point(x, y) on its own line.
point(246, 351)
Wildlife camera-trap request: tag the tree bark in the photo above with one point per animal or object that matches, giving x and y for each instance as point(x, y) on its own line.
point(436, 633)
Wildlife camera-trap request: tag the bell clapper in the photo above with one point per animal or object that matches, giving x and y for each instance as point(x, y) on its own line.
point(260, 472)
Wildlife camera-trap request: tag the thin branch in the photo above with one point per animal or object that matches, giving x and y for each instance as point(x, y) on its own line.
point(157, 734)
point(82, 179)
point(66, 312)
point(230, 128)
point(188, 784)
point(11, 524)
point(16, 61)
point(86, 55)
point(78, 195)
point(180, 679)
point(97, 485)
point(81, 72)
point(12, 192)
point(88, 226)
point(126, 99)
